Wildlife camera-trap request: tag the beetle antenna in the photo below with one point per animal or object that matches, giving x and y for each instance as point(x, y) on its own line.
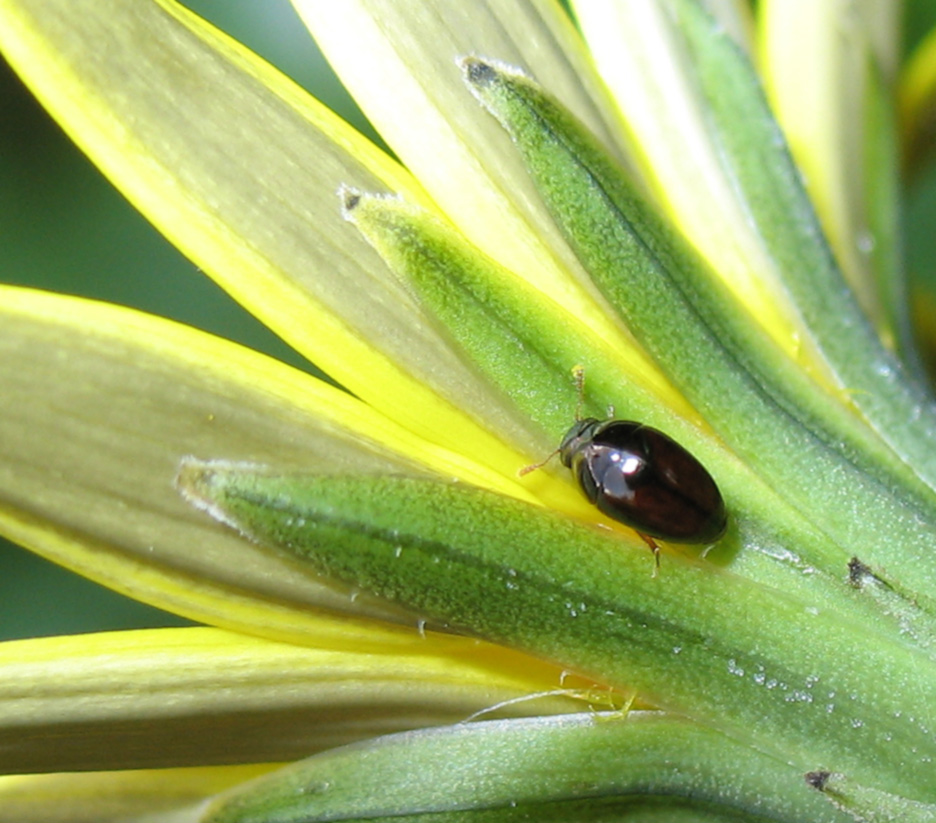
point(535, 466)
point(579, 374)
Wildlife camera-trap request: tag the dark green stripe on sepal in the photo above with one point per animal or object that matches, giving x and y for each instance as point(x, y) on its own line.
point(753, 148)
point(647, 275)
point(802, 683)
point(586, 767)
point(526, 347)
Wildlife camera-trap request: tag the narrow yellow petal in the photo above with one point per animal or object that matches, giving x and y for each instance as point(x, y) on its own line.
point(150, 795)
point(198, 696)
point(100, 405)
point(451, 144)
point(239, 168)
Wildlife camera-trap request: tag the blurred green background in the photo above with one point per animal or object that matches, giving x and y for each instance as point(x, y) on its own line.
point(64, 228)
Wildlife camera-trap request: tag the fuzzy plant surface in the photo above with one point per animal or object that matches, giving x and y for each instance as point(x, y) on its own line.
point(422, 587)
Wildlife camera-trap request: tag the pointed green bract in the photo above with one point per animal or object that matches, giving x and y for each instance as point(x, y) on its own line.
point(527, 347)
point(461, 158)
point(769, 670)
point(677, 313)
point(559, 770)
point(899, 411)
point(867, 804)
point(523, 343)
point(120, 398)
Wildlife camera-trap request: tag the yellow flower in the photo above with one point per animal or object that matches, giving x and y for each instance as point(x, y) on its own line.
point(374, 560)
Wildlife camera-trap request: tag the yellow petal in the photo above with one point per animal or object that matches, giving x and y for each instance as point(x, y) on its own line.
point(239, 168)
point(100, 405)
point(150, 795)
point(198, 696)
point(399, 62)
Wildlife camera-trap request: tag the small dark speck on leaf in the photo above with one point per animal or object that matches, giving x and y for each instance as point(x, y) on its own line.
point(818, 779)
point(351, 198)
point(858, 572)
point(479, 73)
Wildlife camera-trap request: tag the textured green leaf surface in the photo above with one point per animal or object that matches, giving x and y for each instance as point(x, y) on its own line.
point(771, 670)
point(899, 410)
point(522, 342)
point(869, 804)
point(527, 347)
point(644, 271)
point(564, 769)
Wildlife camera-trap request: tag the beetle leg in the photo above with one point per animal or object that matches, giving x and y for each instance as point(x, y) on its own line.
point(653, 547)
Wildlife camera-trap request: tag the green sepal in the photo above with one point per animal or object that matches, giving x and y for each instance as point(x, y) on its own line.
point(901, 612)
point(526, 346)
point(518, 338)
point(752, 146)
point(882, 204)
point(869, 805)
point(794, 680)
point(665, 293)
point(649, 276)
point(585, 767)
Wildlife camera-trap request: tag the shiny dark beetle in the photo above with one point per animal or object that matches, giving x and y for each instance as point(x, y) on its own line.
point(638, 476)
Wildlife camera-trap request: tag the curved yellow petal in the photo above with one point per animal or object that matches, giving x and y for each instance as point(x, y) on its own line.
point(199, 696)
point(100, 405)
point(151, 795)
point(239, 168)
point(455, 148)
point(822, 63)
point(637, 50)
